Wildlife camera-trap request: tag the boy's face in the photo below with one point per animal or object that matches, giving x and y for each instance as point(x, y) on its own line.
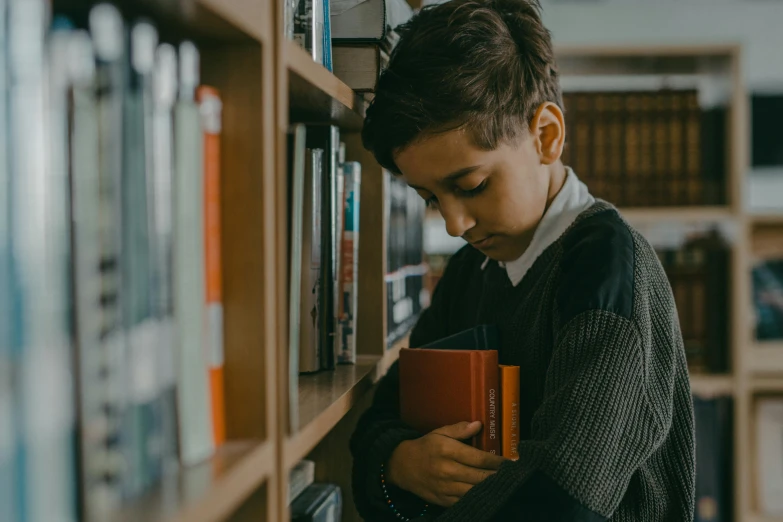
point(493, 199)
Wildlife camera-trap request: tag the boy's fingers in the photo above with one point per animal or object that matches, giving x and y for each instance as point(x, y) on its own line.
point(475, 458)
point(460, 431)
point(470, 476)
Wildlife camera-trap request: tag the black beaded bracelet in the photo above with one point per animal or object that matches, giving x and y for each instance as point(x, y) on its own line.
point(399, 515)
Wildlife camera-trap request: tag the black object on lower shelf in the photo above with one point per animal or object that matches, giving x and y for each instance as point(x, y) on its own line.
point(318, 503)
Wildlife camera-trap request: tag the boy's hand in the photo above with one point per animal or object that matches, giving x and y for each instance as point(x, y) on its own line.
point(440, 469)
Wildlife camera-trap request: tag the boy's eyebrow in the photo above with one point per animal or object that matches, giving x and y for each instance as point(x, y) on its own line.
point(454, 176)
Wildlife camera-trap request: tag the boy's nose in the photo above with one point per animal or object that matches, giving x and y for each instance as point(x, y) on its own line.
point(458, 221)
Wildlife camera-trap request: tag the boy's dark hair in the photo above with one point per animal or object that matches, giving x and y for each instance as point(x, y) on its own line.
point(482, 65)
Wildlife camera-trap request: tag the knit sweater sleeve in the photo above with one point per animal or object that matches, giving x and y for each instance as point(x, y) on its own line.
point(380, 430)
point(598, 421)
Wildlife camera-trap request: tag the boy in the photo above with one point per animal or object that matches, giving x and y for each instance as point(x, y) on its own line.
point(469, 113)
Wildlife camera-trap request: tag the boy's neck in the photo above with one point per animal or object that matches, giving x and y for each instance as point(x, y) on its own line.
point(557, 178)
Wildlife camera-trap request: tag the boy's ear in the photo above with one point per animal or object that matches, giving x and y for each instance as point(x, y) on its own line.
point(548, 130)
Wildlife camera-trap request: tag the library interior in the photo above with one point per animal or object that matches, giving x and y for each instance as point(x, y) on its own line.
point(233, 394)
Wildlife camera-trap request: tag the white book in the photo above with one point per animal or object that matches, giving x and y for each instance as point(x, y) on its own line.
point(161, 199)
point(300, 476)
point(297, 153)
point(40, 251)
point(193, 397)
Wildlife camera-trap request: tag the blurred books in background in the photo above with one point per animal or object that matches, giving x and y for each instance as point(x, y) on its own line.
point(111, 348)
point(647, 148)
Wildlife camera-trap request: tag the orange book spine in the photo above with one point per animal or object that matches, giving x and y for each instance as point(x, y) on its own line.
point(509, 420)
point(211, 110)
point(487, 398)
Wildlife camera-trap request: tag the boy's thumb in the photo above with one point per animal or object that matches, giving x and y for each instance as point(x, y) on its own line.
point(461, 430)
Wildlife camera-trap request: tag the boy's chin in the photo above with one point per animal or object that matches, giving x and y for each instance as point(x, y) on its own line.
point(499, 250)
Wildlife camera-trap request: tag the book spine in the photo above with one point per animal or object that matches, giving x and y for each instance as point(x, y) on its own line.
point(210, 107)
point(162, 242)
point(487, 401)
point(40, 252)
point(138, 316)
point(310, 324)
point(509, 420)
point(327, 36)
point(296, 244)
point(615, 149)
point(10, 491)
point(193, 395)
point(350, 259)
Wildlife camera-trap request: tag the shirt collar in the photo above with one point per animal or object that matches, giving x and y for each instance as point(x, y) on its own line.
point(573, 199)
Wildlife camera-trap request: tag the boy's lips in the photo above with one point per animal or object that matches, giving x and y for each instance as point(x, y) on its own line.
point(483, 243)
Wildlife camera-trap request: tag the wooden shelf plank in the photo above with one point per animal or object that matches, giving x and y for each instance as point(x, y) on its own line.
point(712, 385)
point(318, 96)
point(253, 17)
point(756, 517)
point(189, 18)
point(211, 490)
point(647, 50)
point(695, 213)
point(324, 399)
point(767, 219)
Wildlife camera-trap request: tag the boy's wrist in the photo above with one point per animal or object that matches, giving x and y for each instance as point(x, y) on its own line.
point(392, 466)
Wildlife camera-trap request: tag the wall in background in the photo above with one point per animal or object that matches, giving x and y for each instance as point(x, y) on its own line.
point(756, 25)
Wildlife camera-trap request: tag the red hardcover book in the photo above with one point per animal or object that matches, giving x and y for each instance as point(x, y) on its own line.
point(442, 387)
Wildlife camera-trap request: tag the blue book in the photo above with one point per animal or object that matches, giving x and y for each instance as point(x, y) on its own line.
point(482, 337)
point(327, 37)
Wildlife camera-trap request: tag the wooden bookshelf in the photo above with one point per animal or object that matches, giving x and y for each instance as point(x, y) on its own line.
point(318, 96)
point(211, 490)
point(324, 399)
point(712, 385)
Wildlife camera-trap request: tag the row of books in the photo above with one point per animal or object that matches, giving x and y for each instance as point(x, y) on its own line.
point(653, 148)
point(110, 292)
point(352, 38)
point(406, 295)
point(312, 501)
point(324, 196)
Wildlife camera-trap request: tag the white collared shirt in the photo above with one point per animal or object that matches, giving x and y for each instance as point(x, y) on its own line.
point(572, 200)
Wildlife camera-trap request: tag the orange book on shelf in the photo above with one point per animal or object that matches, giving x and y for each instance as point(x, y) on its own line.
point(509, 417)
point(211, 108)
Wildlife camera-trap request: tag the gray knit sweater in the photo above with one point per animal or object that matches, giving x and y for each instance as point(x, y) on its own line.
point(606, 409)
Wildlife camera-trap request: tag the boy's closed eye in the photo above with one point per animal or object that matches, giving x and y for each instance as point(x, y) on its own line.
point(464, 189)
